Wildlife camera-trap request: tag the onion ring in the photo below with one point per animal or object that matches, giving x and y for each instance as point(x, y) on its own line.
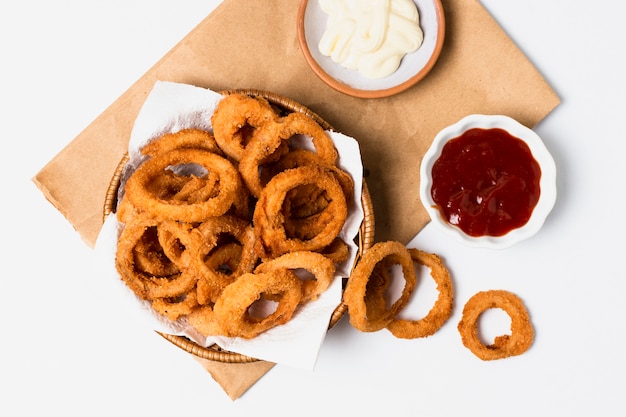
point(441, 310)
point(174, 308)
point(321, 267)
point(236, 118)
point(138, 191)
point(338, 251)
point(360, 299)
point(183, 139)
point(216, 232)
point(271, 142)
point(203, 320)
point(299, 157)
point(232, 307)
point(269, 219)
point(522, 333)
point(300, 124)
point(150, 257)
point(265, 147)
point(147, 286)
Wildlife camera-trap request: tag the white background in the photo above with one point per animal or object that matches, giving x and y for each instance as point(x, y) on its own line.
point(67, 350)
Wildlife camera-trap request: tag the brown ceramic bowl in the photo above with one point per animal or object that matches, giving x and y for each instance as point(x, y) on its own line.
point(413, 68)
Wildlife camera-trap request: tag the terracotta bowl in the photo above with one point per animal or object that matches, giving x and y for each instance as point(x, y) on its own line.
point(414, 67)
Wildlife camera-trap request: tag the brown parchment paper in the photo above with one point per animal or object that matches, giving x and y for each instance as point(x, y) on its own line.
point(253, 44)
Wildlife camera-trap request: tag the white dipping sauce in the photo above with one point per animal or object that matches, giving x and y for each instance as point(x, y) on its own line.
point(370, 36)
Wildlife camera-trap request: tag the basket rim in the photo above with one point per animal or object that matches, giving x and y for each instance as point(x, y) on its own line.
point(365, 236)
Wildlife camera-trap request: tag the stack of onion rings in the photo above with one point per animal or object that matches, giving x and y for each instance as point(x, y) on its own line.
point(215, 221)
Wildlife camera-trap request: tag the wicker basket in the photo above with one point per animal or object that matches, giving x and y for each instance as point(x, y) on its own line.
point(365, 238)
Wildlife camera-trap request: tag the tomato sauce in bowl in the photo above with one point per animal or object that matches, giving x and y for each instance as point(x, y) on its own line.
point(488, 180)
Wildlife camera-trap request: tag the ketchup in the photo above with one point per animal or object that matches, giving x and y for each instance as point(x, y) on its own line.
point(486, 182)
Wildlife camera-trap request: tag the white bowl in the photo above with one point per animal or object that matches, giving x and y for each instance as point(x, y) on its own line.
point(311, 25)
point(539, 151)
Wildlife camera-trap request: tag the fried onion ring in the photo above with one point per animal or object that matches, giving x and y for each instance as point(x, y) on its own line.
point(232, 307)
point(236, 118)
point(203, 320)
point(272, 141)
point(183, 139)
point(174, 308)
point(150, 257)
point(269, 219)
point(145, 285)
point(321, 267)
point(299, 157)
point(264, 148)
point(300, 124)
point(138, 186)
point(215, 233)
point(522, 332)
point(441, 310)
point(367, 308)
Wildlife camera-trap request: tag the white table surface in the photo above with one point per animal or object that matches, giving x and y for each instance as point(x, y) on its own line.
point(66, 350)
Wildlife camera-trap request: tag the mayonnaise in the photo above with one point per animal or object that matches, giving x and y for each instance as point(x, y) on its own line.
point(370, 36)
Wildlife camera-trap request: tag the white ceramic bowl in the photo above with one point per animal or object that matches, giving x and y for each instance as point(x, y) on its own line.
point(413, 68)
point(547, 182)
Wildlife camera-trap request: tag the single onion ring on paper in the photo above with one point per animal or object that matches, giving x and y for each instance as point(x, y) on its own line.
point(231, 309)
point(439, 313)
point(522, 333)
point(140, 194)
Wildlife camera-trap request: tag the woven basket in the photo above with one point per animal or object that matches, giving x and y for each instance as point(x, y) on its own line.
point(365, 237)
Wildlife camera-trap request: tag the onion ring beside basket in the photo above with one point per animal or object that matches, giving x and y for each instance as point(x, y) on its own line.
point(364, 239)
